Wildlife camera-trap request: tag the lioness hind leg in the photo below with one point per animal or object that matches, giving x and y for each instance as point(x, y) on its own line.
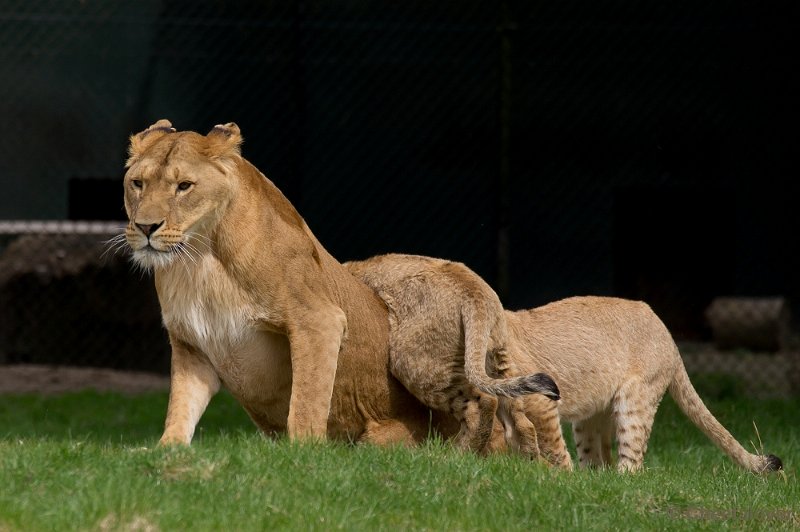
point(393, 432)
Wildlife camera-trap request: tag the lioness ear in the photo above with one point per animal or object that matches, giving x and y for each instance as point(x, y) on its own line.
point(224, 140)
point(140, 141)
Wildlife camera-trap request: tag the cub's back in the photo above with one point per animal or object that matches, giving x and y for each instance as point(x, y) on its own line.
point(590, 345)
point(427, 295)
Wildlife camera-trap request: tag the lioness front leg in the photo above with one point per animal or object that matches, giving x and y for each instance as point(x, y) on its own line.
point(314, 343)
point(193, 382)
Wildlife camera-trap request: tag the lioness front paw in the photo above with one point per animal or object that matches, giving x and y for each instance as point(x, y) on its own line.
point(170, 440)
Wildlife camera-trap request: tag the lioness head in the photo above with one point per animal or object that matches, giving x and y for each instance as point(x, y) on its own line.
point(177, 186)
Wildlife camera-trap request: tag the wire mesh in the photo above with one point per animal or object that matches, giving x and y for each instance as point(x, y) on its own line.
point(557, 149)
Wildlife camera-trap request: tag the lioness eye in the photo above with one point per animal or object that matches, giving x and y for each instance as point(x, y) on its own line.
point(137, 183)
point(184, 185)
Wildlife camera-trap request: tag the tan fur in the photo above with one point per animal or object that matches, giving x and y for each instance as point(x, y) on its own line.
point(613, 360)
point(252, 301)
point(443, 362)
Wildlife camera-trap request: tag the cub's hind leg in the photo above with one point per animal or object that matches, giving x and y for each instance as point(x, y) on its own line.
point(445, 389)
point(518, 431)
point(475, 412)
point(593, 440)
point(633, 416)
point(532, 424)
point(543, 413)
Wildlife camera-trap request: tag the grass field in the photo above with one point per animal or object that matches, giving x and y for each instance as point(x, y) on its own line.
point(87, 461)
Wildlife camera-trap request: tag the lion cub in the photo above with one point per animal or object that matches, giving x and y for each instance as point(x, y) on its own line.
point(614, 360)
point(446, 326)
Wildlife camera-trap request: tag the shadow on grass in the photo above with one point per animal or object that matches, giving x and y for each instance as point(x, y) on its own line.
point(102, 416)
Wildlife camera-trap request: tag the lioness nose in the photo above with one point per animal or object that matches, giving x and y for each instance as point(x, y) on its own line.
point(149, 229)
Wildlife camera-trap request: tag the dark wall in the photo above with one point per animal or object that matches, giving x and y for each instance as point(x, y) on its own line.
point(558, 148)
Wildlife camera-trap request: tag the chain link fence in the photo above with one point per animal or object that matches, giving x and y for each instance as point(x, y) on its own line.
point(557, 149)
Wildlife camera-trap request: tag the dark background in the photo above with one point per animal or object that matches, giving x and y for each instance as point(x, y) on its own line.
point(638, 149)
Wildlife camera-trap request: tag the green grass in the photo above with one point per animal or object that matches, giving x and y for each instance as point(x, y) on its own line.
point(87, 461)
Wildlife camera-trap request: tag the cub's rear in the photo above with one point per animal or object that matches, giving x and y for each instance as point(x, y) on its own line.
point(446, 326)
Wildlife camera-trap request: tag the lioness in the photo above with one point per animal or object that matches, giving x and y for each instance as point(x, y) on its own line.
point(613, 360)
point(447, 371)
point(252, 300)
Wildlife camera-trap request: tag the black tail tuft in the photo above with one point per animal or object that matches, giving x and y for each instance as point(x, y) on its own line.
point(773, 463)
point(541, 383)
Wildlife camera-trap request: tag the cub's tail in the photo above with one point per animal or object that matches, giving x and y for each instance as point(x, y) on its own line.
point(515, 386)
point(477, 331)
point(686, 397)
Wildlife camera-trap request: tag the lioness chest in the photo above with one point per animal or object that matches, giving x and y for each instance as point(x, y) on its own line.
point(202, 306)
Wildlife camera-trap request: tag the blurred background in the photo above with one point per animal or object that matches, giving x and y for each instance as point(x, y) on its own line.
point(557, 148)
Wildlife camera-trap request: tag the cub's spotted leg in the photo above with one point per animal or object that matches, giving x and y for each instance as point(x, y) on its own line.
point(471, 409)
point(543, 412)
point(633, 416)
point(475, 412)
point(519, 432)
point(593, 440)
point(532, 424)
point(606, 440)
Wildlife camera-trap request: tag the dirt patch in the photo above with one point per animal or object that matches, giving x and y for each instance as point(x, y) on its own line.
point(30, 378)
